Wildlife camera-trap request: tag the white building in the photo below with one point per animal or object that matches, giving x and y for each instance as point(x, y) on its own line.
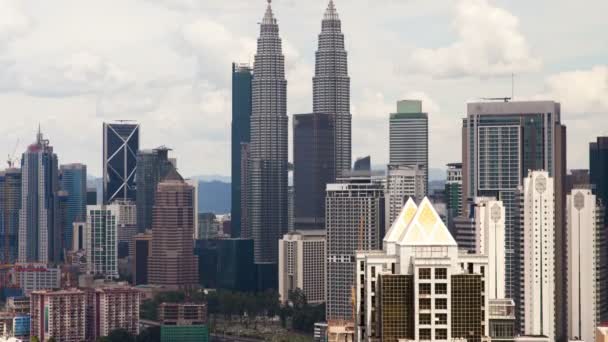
point(403, 182)
point(302, 264)
point(102, 242)
point(586, 238)
point(490, 241)
point(539, 255)
point(34, 277)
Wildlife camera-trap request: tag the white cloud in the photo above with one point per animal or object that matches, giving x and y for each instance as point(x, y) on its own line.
point(489, 44)
point(13, 21)
point(581, 91)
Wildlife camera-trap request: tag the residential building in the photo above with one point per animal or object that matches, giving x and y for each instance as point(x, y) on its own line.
point(453, 194)
point(539, 287)
point(102, 243)
point(501, 142)
point(183, 322)
point(409, 137)
point(302, 265)
point(586, 275)
point(40, 237)
point(152, 166)
point(331, 88)
point(141, 254)
point(403, 182)
point(268, 158)
point(314, 162)
point(355, 221)
point(242, 76)
point(172, 262)
point(10, 205)
point(112, 307)
point(59, 315)
point(73, 180)
point(120, 146)
point(490, 241)
point(34, 277)
point(420, 287)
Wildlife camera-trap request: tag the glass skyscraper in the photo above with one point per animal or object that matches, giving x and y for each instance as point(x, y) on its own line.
point(10, 202)
point(73, 180)
point(598, 169)
point(152, 166)
point(120, 146)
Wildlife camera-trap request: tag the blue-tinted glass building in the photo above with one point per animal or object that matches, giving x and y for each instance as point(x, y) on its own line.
point(10, 203)
point(73, 181)
point(120, 146)
point(226, 264)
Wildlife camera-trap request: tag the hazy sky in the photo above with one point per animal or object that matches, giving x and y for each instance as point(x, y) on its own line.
point(71, 64)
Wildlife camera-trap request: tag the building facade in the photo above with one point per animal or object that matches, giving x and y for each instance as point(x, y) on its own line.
point(409, 137)
point(102, 243)
point(110, 308)
point(453, 194)
point(10, 205)
point(403, 182)
point(152, 166)
point(598, 169)
point(34, 277)
point(355, 221)
point(331, 87)
point(40, 237)
point(314, 162)
point(141, 254)
point(73, 180)
point(242, 76)
point(60, 315)
point(120, 146)
point(490, 241)
point(302, 265)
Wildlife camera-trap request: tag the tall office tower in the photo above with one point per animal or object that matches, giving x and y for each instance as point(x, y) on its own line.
point(91, 196)
point(73, 180)
point(538, 211)
point(39, 228)
point(598, 169)
point(245, 226)
point(10, 203)
point(172, 262)
point(141, 253)
point(126, 225)
point(501, 142)
point(577, 178)
point(120, 146)
point(314, 162)
point(420, 288)
point(409, 137)
point(453, 194)
point(586, 275)
point(331, 87)
point(403, 182)
point(354, 221)
point(302, 265)
point(490, 241)
point(79, 236)
point(242, 76)
point(268, 165)
point(363, 165)
point(194, 184)
point(152, 166)
point(60, 315)
point(102, 244)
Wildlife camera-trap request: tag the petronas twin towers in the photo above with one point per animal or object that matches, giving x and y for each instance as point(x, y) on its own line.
point(268, 158)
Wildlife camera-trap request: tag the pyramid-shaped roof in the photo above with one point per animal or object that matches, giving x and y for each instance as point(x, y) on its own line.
point(427, 228)
point(173, 176)
point(400, 225)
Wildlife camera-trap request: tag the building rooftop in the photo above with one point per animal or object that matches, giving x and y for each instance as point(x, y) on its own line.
point(427, 229)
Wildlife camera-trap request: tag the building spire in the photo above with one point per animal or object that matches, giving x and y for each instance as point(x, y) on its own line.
point(269, 16)
point(331, 13)
point(39, 135)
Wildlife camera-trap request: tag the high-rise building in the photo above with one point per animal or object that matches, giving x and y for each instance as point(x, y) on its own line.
point(59, 315)
point(331, 87)
point(242, 76)
point(127, 226)
point(141, 254)
point(172, 262)
point(314, 162)
point(420, 288)
point(586, 275)
point(539, 287)
point(268, 163)
point(403, 182)
point(102, 243)
point(39, 224)
point(194, 184)
point(73, 180)
point(362, 165)
point(490, 241)
point(10, 203)
point(453, 194)
point(152, 166)
point(110, 308)
point(92, 196)
point(598, 169)
point(245, 226)
point(302, 265)
point(79, 236)
point(355, 221)
point(501, 142)
point(409, 137)
point(120, 146)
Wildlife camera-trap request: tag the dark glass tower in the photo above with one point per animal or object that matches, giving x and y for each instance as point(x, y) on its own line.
point(313, 153)
point(10, 202)
point(120, 146)
point(73, 181)
point(152, 166)
point(242, 75)
point(331, 86)
point(268, 159)
point(598, 169)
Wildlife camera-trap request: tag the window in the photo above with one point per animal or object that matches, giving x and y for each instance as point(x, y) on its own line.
point(441, 334)
point(424, 334)
point(373, 286)
point(362, 266)
point(441, 319)
point(441, 273)
point(373, 271)
point(424, 289)
point(425, 303)
point(441, 289)
point(441, 304)
point(424, 319)
point(424, 273)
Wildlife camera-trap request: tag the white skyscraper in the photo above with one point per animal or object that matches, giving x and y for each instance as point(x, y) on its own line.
point(490, 241)
point(403, 182)
point(102, 239)
point(586, 282)
point(539, 254)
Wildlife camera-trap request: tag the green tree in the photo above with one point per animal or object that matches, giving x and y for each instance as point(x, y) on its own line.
point(120, 335)
point(149, 335)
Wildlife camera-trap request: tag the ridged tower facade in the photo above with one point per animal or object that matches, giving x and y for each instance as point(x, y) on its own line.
point(268, 163)
point(331, 86)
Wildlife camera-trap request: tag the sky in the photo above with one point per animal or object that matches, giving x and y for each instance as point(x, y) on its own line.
point(70, 65)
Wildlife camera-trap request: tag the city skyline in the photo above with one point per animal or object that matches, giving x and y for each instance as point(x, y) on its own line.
point(91, 80)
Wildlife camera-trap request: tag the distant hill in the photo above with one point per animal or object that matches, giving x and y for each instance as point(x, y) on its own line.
point(214, 197)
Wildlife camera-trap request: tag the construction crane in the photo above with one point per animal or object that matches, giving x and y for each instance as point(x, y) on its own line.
point(12, 159)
